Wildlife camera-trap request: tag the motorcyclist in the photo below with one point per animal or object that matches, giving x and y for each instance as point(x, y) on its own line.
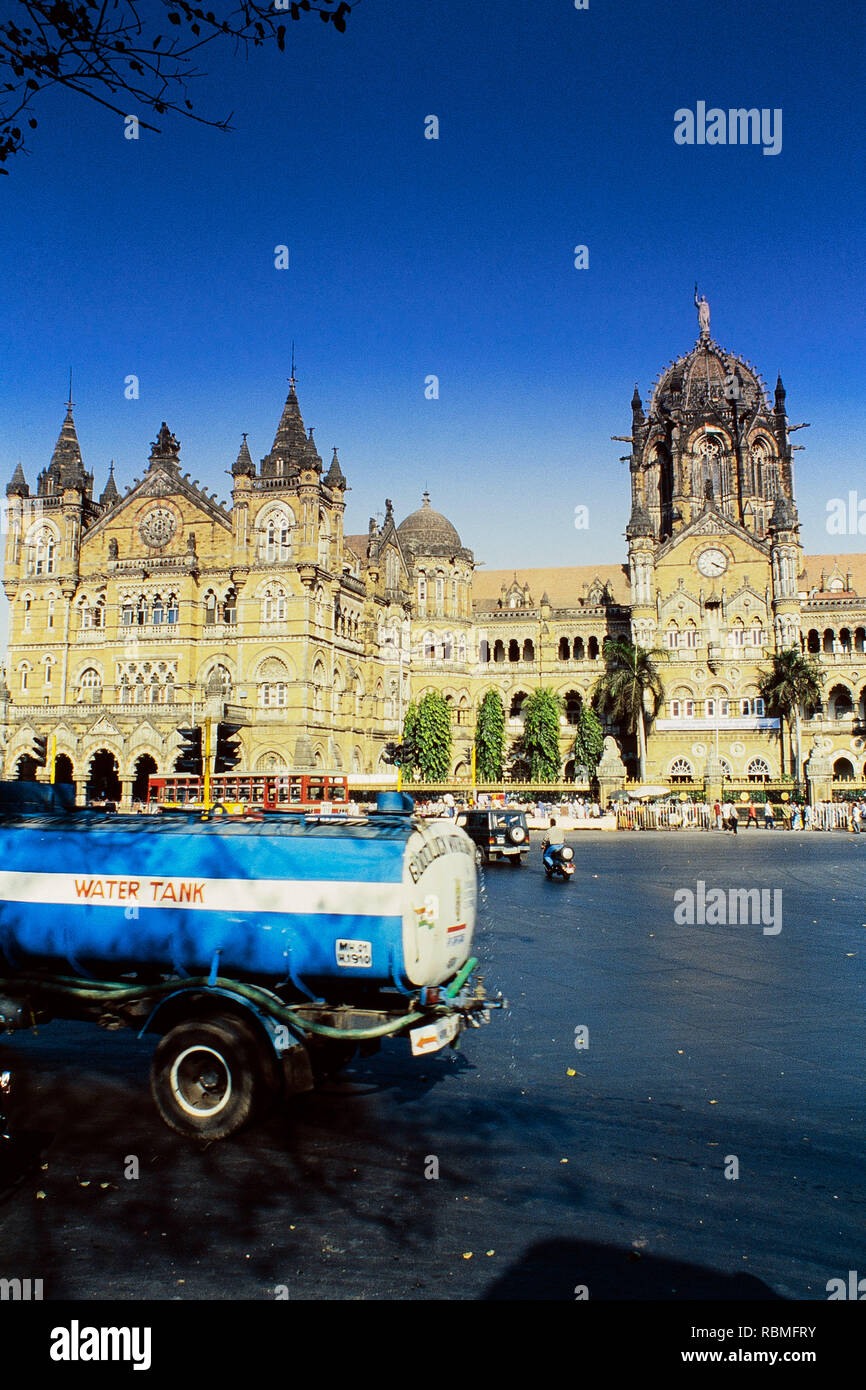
point(556, 857)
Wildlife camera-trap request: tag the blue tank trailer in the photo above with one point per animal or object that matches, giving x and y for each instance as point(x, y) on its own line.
point(265, 951)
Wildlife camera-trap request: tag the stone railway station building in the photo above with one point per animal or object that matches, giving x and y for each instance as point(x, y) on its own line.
point(131, 612)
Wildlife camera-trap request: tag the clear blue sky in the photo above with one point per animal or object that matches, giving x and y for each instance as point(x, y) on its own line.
point(411, 257)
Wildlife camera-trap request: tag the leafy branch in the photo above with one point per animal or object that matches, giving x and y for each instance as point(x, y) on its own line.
point(120, 52)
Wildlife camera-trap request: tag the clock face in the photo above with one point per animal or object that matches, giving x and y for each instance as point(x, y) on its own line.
point(712, 563)
point(158, 527)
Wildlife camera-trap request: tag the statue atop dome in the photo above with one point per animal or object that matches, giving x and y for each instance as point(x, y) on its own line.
point(703, 307)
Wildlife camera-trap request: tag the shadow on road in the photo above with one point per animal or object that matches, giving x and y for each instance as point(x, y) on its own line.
point(555, 1269)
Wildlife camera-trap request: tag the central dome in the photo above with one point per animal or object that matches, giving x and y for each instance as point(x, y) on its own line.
point(427, 531)
point(698, 379)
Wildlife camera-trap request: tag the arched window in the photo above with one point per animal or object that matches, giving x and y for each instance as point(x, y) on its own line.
point(274, 605)
point(841, 702)
point(42, 552)
point(518, 700)
point(564, 649)
point(573, 704)
point(275, 536)
point(210, 608)
point(172, 610)
point(324, 542)
point(758, 770)
point(157, 612)
point(91, 684)
point(681, 771)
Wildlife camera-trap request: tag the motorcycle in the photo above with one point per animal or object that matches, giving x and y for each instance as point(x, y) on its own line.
point(557, 860)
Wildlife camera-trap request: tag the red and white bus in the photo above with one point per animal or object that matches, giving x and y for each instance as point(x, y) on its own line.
point(318, 793)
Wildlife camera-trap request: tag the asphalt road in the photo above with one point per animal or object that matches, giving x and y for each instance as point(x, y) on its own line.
point(558, 1167)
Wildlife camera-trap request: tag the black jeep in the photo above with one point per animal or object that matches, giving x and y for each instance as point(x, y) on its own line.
point(498, 834)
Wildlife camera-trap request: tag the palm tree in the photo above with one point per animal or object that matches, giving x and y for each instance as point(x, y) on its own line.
point(792, 685)
point(630, 682)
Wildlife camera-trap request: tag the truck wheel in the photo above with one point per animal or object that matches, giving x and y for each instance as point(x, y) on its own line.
point(208, 1077)
point(479, 857)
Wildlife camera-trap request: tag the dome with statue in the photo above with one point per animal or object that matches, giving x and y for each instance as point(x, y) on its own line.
point(428, 532)
point(705, 375)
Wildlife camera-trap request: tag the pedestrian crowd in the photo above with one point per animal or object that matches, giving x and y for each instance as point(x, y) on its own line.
point(790, 815)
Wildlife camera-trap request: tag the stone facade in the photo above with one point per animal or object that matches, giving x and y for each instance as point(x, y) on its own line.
point(127, 609)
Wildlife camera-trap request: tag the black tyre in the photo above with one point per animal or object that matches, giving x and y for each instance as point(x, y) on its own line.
point(549, 872)
point(208, 1078)
point(480, 856)
point(515, 860)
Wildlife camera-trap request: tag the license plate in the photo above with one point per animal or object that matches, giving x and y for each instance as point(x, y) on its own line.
point(354, 954)
point(434, 1035)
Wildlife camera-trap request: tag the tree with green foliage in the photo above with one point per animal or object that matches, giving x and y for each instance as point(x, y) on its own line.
point(490, 738)
point(588, 739)
point(432, 737)
point(541, 712)
point(791, 686)
point(410, 737)
point(630, 691)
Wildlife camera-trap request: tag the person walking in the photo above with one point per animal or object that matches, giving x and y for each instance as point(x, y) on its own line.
point(795, 815)
point(753, 815)
point(717, 816)
point(769, 818)
point(729, 812)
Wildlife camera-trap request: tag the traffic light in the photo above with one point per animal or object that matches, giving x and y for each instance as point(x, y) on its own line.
point(40, 750)
point(189, 758)
point(227, 753)
point(399, 753)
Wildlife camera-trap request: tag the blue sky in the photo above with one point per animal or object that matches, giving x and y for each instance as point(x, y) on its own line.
point(411, 257)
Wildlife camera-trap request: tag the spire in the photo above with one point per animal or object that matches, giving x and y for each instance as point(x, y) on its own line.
point(313, 457)
point(66, 467)
point(110, 494)
point(290, 440)
point(243, 465)
point(17, 487)
point(780, 395)
point(334, 476)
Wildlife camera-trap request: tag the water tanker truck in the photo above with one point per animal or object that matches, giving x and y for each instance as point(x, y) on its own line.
point(263, 951)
